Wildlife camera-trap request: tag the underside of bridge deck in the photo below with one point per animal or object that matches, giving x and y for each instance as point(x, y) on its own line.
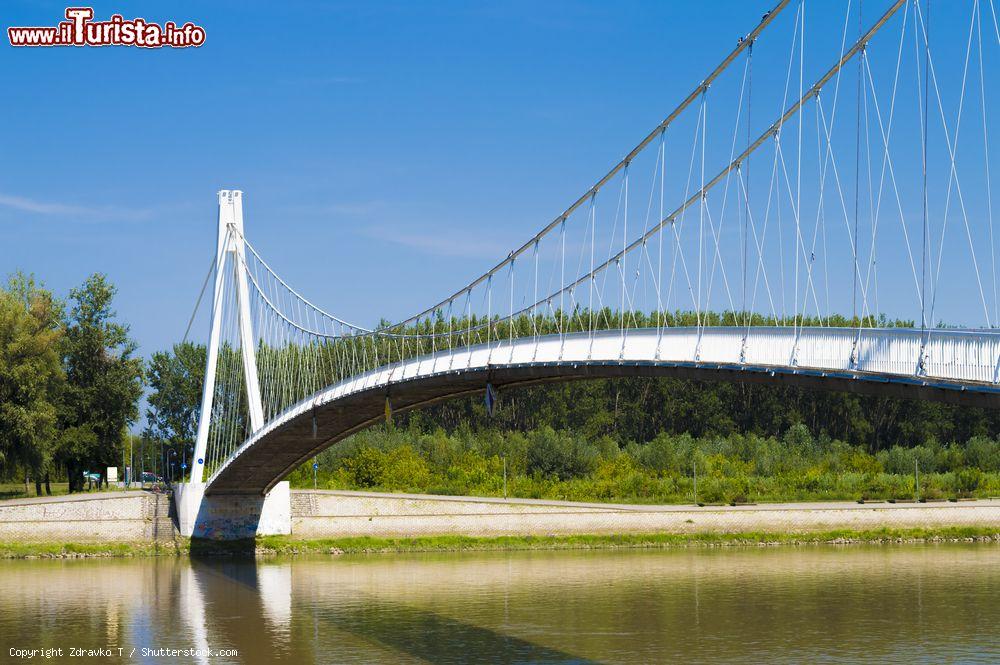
point(277, 453)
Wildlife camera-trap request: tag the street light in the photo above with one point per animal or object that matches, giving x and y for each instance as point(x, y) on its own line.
point(170, 466)
point(184, 464)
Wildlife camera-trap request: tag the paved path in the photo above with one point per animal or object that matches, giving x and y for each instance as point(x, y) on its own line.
point(663, 508)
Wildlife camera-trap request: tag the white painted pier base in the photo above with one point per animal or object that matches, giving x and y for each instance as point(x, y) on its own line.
point(232, 517)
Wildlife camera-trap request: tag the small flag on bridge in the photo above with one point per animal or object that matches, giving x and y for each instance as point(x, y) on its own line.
point(491, 399)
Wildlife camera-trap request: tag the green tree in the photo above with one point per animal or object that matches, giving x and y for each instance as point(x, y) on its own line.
point(175, 378)
point(104, 381)
point(31, 378)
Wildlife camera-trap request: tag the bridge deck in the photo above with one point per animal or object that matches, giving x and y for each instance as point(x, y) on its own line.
point(961, 367)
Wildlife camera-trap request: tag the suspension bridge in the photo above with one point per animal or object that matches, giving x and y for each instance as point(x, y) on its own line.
point(816, 212)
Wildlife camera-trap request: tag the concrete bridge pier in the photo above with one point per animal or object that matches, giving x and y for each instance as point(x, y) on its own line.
point(232, 516)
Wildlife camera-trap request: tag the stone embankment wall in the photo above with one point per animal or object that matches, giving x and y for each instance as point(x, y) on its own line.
point(141, 516)
point(104, 517)
point(318, 514)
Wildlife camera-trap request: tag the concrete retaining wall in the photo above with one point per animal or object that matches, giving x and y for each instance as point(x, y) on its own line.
point(318, 514)
point(230, 517)
point(140, 516)
point(105, 517)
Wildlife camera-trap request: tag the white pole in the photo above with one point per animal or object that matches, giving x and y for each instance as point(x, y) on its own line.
point(208, 391)
point(694, 467)
point(247, 342)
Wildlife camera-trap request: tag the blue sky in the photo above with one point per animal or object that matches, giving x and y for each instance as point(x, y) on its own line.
point(389, 151)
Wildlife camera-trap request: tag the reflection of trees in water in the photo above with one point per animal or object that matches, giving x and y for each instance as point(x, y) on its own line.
point(732, 603)
point(759, 604)
point(82, 603)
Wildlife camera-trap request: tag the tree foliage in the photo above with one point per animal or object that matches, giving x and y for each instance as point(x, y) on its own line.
point(103, 381)
point(31, 378)
point(175, 378)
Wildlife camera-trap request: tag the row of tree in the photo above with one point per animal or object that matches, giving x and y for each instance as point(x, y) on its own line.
point(634, 409)
point(627, 410)
point(70, 385)
point(70, 381)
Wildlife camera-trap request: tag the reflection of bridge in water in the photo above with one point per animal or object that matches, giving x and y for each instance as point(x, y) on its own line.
point(603, 606)
point(682, 260)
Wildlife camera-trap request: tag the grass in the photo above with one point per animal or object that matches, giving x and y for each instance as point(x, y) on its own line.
point(369, 545)
point(286, 545)
point(16, 490)
point(26, 550)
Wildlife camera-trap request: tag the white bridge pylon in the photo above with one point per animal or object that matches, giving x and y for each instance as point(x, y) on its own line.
point(230, 255)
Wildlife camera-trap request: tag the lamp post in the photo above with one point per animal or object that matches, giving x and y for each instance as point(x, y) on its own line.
point(694, 468)
point(170, 466)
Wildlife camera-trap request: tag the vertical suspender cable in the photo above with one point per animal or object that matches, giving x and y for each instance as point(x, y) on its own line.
point(857, 172)
point(798, 176)
point(701, 209)
point(621, 266)
point(746, 169)
point(926, 229)
point(593, 240)
point(986, 152)
point(659, 260)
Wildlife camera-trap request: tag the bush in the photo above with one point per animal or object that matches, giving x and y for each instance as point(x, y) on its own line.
point(967, 481)
point(799, 439)
point(475, 474)
point(983, 453)
point(557, 464)
point(875, 487)
point(439, 449)
point(901, 460)
point(858, 461)
point(404, 468)
point(667, 454)
point(559, 455)
point(366, 468)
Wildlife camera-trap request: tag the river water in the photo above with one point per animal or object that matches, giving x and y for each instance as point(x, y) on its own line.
point(904, 603)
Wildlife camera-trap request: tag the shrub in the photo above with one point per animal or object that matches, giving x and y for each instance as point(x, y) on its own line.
point(559, 455)
point(550, 463)
point(476, 474)
point(811, 480)
point(366, 468)
point(404, 468)
point(438, 449)
point(874, 486)
point(983, 453)
point(858, 461)
point(951, 458)
point(799, 439)
point(607, 448)
point(901, 460)
point(967, 481)
point(667, 454)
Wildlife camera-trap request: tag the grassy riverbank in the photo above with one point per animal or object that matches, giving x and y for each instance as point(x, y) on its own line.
point(284, 545)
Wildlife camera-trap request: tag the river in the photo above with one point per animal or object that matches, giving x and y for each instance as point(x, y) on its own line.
point(904, 603)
